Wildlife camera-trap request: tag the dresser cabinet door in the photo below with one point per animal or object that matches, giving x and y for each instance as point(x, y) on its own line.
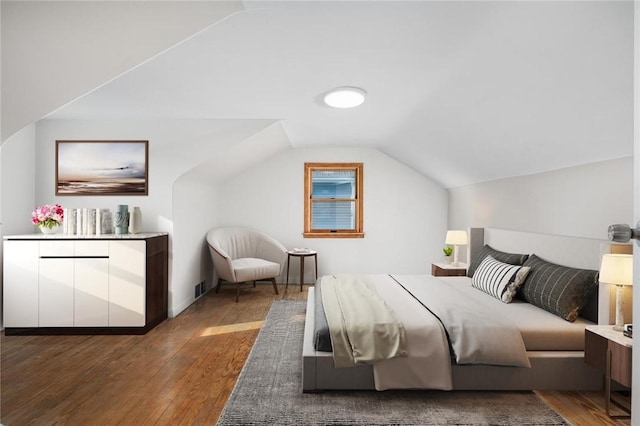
point(127, 265)
point(20, 283)
point(91, 284)
point(56, 284)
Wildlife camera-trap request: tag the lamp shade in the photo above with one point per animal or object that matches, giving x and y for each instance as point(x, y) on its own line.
point(457, 238)
point(617, 269)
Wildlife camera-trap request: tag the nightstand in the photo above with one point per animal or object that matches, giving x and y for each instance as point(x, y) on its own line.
point(301, 254)
point(448, 270)
point(610, 351)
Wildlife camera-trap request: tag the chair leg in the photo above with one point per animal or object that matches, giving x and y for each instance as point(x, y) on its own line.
point(273, 282)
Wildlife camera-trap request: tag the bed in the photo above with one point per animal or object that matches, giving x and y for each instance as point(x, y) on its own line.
point(553, 346)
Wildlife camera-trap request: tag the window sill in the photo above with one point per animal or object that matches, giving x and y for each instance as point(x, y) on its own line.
point(333, 234)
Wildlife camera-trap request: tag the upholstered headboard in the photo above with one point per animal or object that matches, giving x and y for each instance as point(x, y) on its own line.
point(583, 253)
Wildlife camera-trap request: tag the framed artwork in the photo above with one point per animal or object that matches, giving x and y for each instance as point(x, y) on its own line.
point(102, 167)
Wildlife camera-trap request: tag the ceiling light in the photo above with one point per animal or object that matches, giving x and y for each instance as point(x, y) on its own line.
point(345, 97)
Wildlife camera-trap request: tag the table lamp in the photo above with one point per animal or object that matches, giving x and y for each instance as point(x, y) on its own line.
point(456, 238)
point(617, 269)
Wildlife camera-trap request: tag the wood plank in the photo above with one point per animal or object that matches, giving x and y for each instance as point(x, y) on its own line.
point(581, 408)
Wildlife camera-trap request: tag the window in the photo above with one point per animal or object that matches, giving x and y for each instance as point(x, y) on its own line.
point(333, 200)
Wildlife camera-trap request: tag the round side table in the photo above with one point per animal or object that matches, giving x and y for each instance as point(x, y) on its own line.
point(301, 255)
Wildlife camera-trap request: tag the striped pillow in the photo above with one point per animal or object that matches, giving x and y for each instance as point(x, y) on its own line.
point(498, 279)
point(561, 290)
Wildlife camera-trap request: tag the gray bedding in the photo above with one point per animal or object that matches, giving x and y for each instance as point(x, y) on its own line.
point(540, 330)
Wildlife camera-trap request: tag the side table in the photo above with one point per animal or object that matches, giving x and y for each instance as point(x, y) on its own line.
point(448, 270)
point(610, 351)
point(302, 255)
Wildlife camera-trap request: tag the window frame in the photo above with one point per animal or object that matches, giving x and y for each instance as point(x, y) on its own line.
point(358, 232)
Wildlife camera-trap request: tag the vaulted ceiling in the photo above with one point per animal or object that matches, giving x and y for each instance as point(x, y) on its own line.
point(462, 92)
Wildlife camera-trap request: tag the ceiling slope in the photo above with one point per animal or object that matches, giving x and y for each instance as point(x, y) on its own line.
point(55, 51)
point(235, 158)
point(463, 92)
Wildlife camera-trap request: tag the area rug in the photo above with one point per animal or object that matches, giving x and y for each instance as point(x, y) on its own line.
point(269, 392)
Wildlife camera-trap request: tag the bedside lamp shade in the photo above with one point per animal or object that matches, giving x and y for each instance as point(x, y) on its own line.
point(617, 269)
point(456, 238)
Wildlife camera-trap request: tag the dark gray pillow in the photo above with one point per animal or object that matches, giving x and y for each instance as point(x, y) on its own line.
point(561, 290)
point(487, 250)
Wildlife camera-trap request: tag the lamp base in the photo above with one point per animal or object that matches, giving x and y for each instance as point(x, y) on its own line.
point(619, 326)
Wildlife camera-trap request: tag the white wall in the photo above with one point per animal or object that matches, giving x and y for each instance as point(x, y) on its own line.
point(195, 204)
point(578, 201)
point(405, 214)
point(175, 148)
point(56, 51)
point(195, 201)
point(17, 170)
point(17, 173)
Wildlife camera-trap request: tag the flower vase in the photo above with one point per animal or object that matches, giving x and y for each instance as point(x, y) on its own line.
point(45, 230)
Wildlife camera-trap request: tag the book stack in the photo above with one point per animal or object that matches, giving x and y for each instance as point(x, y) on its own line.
point(87, 221)
point(628, 330)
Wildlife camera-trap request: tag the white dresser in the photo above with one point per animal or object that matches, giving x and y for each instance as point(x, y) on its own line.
point(85, 284)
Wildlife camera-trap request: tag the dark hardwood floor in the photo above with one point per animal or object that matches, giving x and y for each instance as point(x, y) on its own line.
point(181, 372)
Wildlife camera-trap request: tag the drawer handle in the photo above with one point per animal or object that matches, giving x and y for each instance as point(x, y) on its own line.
point(74, 257)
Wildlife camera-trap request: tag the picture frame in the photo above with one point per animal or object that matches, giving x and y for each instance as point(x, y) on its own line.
point(102, 167)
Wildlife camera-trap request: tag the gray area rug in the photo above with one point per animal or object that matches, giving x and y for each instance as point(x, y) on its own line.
point(269, 392)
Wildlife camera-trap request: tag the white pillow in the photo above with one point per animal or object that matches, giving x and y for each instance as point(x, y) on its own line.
point(498, 279)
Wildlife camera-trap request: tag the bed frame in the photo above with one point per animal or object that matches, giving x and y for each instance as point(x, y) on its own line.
point(550, 370)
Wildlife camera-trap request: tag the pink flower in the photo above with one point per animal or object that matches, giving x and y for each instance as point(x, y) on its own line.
point(48, 216)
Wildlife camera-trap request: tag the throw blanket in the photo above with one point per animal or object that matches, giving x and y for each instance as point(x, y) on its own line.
point(363, 328)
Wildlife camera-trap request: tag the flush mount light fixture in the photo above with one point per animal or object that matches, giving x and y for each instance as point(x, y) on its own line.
point(345, 97)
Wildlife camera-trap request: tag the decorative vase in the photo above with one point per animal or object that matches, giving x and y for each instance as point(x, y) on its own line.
point(121, 219)
point(46, 230)
point(135, 221)
point(447, 260)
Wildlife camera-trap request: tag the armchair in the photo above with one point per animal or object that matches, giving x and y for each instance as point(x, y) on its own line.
point(243, 255)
